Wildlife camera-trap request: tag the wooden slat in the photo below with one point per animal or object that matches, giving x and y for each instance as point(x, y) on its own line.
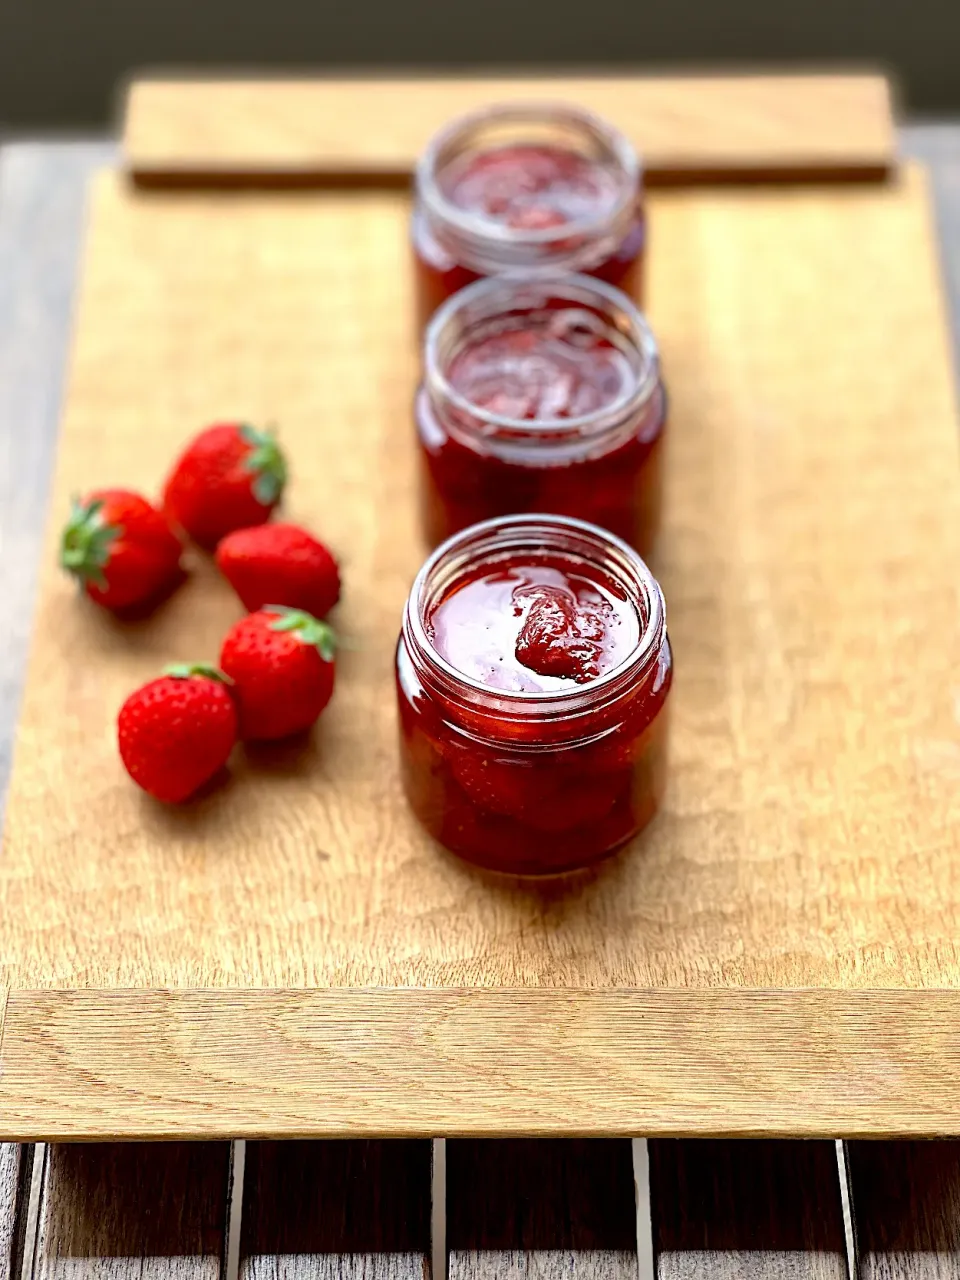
point(336, 1210)
point(906, 1202)
point(9, 1170)
point(746, 1211)
point(688, 129)
point(541, 1208)
point(15, 1164)
point(156, 1211)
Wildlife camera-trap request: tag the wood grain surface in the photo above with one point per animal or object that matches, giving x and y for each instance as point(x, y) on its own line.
point(401, 1062)
point(809, 835)
point(746, 1211)
point(545, 1209)
point(810, 832)
point(906, 1201)
point(14, 1166)
point(336, 1211)
point(132, 1212)
point(707, 128)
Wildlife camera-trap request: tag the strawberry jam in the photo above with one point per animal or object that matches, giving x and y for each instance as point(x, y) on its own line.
point(525, 189)
point(541, 396)
point(533, 673)
point(533, 628)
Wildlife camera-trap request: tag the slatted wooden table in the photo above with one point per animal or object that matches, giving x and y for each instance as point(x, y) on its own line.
point(704, 1209)
point(485, 1210)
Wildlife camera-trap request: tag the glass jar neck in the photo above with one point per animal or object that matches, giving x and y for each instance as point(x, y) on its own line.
point(589, 310)
point(573, 715)
point(488, 246)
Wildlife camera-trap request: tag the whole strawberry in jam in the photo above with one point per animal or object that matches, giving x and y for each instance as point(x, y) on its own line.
point(120, 548)
point(560, 635)
point(280, 564)
point(547, 798)
point(281, 662)
point(530, 187)
point(177, 732)
point(532, 627)
point(229, 477)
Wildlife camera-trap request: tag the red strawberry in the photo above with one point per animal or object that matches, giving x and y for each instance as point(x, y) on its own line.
point(280, 563)
point(120, 548)
point(281, 664)
point(560, 636)
point(548, 797)
point(229, 477)
point(177, 732)
point(501, 787)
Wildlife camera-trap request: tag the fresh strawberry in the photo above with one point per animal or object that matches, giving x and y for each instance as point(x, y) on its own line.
point(229, 477)
point(120, 548)
point(280, 564)
point(177, 732)
point(281, 664)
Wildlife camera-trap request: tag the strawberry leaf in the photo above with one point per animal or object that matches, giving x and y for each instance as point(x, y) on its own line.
point(187, 670)
point(267, 464)
point(307, 628)
point(87, 541)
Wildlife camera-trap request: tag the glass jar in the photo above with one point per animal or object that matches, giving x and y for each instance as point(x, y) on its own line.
point(513, 768)
point(522, 189)
point(541, 396)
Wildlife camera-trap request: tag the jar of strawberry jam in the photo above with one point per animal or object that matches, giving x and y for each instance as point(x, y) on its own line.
point(533, 674)
point(525, 188)
point(541, 396)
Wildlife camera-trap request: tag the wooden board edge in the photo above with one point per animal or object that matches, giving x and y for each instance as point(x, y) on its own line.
point(186, 178)
point(408, 1062)
point(873, 166)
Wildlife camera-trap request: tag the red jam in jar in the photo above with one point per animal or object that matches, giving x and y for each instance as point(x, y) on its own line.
point(526, 189)
point(533, 673)
point(541, 396)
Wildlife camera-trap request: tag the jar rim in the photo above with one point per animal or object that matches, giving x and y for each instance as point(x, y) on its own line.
point(479, 232)
point(515, 292)
point(502, 536)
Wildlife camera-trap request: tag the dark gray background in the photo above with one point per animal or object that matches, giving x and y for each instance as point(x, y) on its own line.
point(61, 60)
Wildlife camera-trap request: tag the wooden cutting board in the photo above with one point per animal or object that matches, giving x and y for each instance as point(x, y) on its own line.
point(291, 955)
point(688, 129)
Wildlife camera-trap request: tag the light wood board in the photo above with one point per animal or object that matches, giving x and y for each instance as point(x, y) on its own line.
point(810, 833)
point(688, 129)
point(487, 1063)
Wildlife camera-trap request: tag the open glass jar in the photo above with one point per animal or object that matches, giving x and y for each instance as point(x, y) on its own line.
point(541, 395)
point(533, 674)
point(523, 189)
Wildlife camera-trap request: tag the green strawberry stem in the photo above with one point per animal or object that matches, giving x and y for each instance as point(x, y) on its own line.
point(308, 628)
point(85, 547)
point(267, 463)
point(187, 670)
